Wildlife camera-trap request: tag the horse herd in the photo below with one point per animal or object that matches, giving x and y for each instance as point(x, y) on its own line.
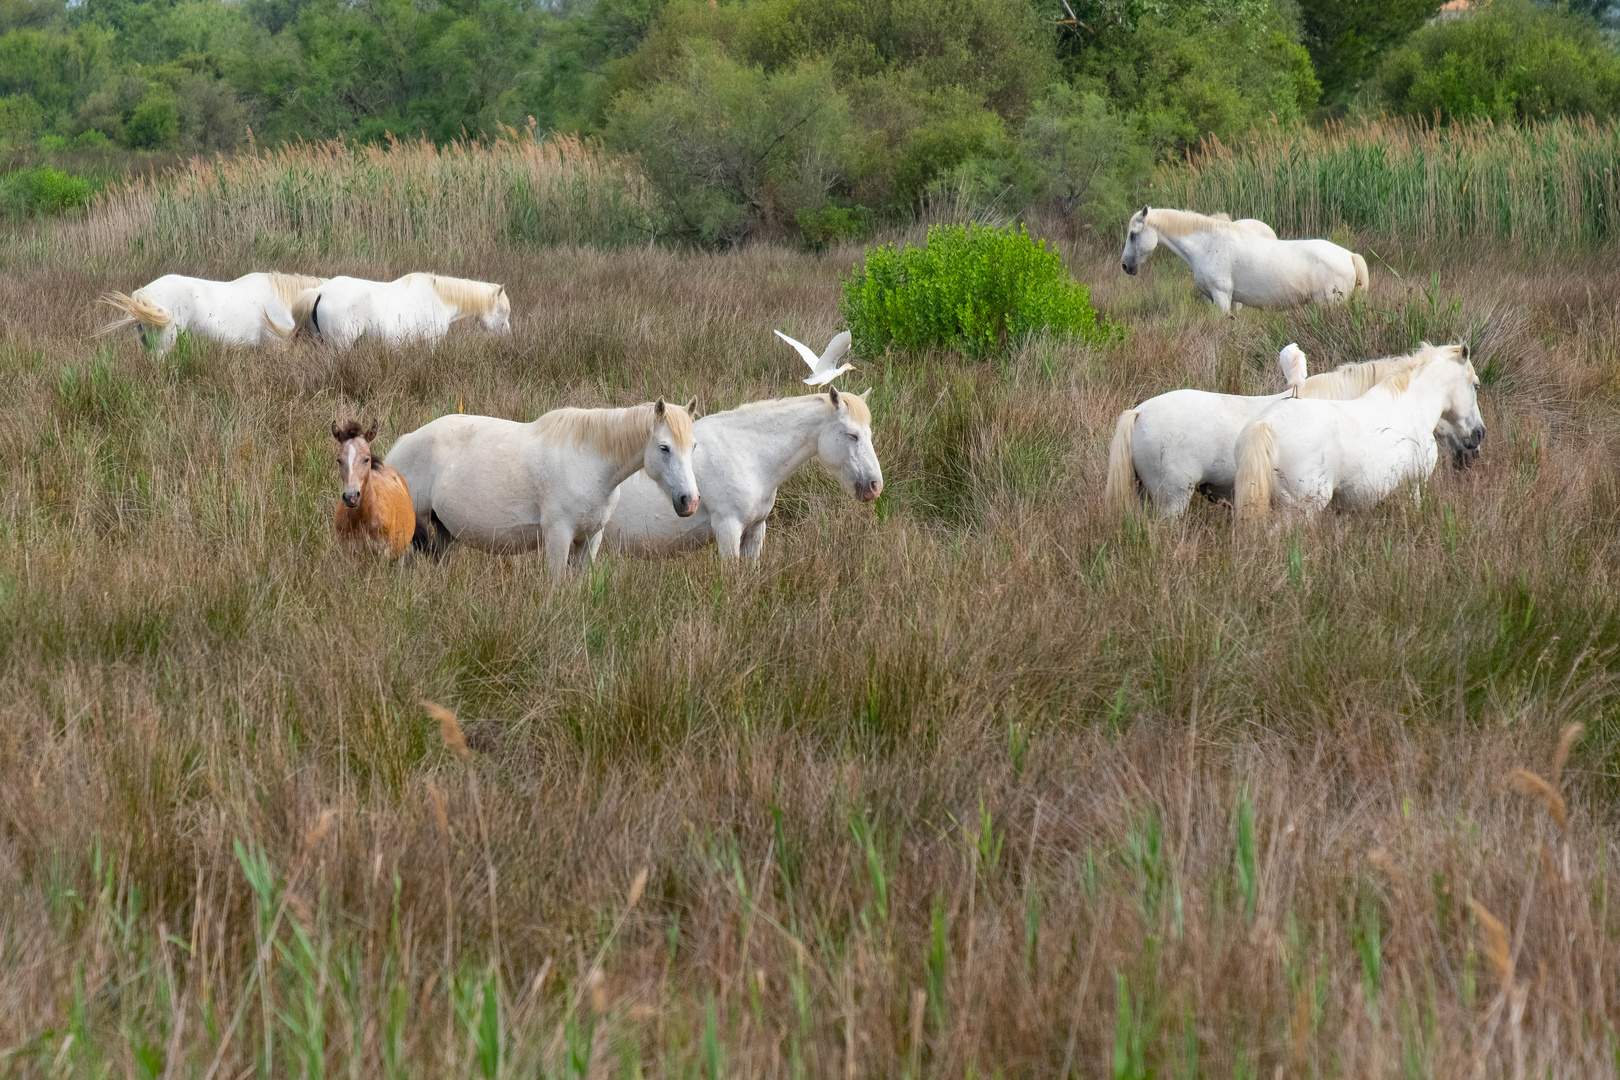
point(655, 478)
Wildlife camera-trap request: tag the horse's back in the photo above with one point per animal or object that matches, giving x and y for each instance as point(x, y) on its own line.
point(1268, 273)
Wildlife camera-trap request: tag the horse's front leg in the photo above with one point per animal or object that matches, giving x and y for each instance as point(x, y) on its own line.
point(728, 533)
point(559, 545)
point(753, 540)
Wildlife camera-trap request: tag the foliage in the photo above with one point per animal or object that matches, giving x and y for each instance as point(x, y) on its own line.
point(973, 288)
point(1513, 60)
point(733, 150)
point(1077, 159)
point(1347, 38)
point(1189, 68)
point(42, 191)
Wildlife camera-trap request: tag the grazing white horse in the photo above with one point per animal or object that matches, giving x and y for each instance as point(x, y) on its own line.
point(416, 307)
point(742, 457)
point(252, 310)
point(1305, 454)
point(1186, 441)
point(509, 487)
point(1234, 264)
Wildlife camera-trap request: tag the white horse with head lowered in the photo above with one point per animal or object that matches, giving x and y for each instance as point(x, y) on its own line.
point(1235, 264)
point(416, 307)
point(508, 487)
point(1305, 454)
point(1185, 441)
point(742, 457)
point(252, 310)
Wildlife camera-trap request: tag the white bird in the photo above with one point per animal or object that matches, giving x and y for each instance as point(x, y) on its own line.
point(822, 371)
point(1292, 362)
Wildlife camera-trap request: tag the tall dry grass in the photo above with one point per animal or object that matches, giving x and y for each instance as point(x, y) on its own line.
point(1545, 186)
point(297, 202)
point(981, 780)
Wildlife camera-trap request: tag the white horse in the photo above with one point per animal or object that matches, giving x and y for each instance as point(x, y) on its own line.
point(1234, 264)
point(1186, 440)
point(509, 487)
point(416, 307)
point(742, 457)
point(252, 310)
point(1305, 454)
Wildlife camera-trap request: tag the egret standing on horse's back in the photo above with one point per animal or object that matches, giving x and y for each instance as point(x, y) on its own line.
point(1234, 263)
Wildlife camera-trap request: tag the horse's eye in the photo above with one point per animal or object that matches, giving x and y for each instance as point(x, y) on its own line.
point(365, 461)
point(664, 447)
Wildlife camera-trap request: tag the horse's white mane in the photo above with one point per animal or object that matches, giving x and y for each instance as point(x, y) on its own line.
point(857, 406)
point(614, 433)
point(1400, 381)
point(1355, 379)
point(288, 286)
point(1185, 222)
point(473, 297)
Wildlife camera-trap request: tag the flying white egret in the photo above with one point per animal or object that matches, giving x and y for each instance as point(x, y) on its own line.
point(822, 370)
point(1292, 362)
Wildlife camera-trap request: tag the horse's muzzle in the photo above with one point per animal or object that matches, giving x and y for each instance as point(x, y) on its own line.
point(1128, 268)
point(686, 505)
point(868, 490)
point(351, 499)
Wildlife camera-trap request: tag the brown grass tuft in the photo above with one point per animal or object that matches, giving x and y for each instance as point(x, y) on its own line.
point(1494, 942)
point(449, 728)
point(1528, 783)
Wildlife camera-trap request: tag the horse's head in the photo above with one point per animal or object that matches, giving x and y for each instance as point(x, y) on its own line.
point(1140, 240)
point(354, 458)
point(668, 457)
point(845, 446)
point(498, 319)
point(1461, 428)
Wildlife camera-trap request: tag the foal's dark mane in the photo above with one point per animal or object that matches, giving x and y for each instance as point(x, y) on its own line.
point(349, 429)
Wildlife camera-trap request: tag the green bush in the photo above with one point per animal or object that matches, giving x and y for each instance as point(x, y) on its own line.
point(42, 191)
point(1514, 60)
point(974, 288)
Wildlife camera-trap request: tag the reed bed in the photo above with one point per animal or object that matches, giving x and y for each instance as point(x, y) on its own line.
point(981, 780)
point(1553, 185)
point(301, 201)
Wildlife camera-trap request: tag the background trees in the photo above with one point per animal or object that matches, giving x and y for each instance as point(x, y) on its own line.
point(810, 119)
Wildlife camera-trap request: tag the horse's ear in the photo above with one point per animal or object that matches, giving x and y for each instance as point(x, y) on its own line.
point(691, 407)
point(1144, 210)
point(658, 409)
point(336, 434)
point(1465, 351)
point(371, 432)
point(864, 394)
point(832, 396)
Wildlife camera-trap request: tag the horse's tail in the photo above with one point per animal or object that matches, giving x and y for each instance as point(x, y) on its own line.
point(138, 308)
point(1256, 471)
point(1121, 487)
point(281, 333)
point(303, 312)
point(1363, 280)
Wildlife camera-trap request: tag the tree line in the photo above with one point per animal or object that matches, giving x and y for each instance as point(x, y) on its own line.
point(810, 119)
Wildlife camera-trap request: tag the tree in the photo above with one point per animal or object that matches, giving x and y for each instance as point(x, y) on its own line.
point(1347, 38)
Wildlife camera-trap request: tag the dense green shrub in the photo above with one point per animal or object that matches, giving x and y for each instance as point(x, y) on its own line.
point(732, 150)
point(973, 288)
point(42, 190)
point(1514, 60)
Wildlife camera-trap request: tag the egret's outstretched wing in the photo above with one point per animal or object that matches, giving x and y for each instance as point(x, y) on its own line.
point(836, 348)
point(810, 358)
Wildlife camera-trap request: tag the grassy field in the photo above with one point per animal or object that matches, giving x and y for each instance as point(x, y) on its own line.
point(978, 782)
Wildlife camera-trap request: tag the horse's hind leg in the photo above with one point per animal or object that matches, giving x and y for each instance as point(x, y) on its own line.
point(431, 537)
